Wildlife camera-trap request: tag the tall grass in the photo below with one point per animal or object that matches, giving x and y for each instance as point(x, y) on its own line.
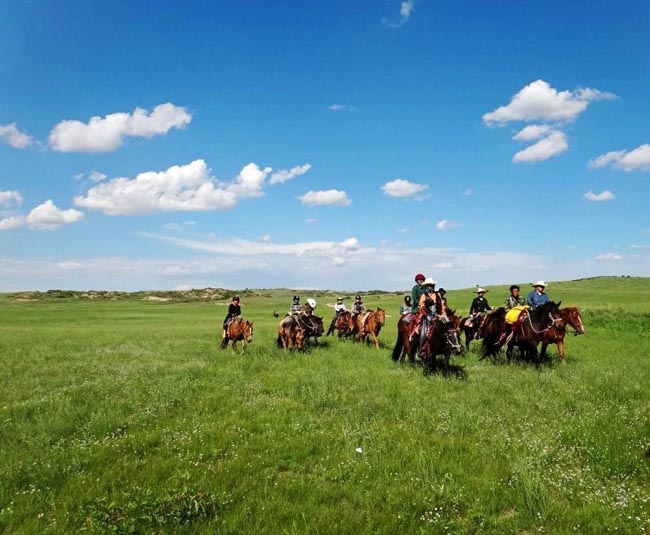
point(122, 417)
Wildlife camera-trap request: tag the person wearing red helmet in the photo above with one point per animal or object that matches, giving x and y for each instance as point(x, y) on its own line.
point(417, 292)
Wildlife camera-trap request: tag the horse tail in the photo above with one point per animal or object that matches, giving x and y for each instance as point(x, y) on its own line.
point(397, 351)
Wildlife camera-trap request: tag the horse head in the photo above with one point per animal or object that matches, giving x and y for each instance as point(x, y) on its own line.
point(450, 335)
point(380, 315)
point(571, 315)
point(247, 331)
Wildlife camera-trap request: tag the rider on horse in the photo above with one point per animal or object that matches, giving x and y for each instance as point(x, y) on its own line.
point(537, 297)
point(514, 299)
point(339, 307)
point(234, 310)
point(295, 305)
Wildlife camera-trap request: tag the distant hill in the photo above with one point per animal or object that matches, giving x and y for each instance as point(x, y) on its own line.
point(598, 292)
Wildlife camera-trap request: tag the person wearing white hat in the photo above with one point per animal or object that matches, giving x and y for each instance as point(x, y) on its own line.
point(479, 303)
point(537, 297)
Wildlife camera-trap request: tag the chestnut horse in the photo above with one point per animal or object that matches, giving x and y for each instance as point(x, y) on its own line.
point(555, 335)
point(238, 330)
point(471, 327)
point(369, 324)
point(291, 335)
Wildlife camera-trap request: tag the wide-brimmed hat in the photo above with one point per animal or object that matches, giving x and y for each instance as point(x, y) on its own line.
point(539, 283)
point(429, 282)
point(480, 290)
point(339, 299)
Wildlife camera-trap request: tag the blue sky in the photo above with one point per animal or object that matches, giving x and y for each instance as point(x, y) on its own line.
point(343, 145)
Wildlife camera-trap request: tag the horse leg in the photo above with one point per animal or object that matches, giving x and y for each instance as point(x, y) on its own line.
point(560, 349)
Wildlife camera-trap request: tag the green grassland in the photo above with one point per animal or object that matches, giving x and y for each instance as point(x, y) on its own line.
point(120, 415)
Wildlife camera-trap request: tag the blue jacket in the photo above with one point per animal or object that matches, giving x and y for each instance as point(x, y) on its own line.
point(536, 299)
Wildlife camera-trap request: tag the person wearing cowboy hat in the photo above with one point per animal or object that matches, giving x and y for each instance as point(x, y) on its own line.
point(479, 303)
point(537, 297)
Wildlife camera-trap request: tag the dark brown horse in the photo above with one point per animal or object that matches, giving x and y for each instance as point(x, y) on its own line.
point(471, 327)
point(555, 335)
point(524, 333)
point(312, 325)
point(238, 330)
point(369, 324)
point(439, 335)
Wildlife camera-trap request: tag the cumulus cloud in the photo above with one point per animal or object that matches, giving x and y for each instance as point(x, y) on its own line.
point(10, 198)
point(104, 134)
point(11, 222)
point(282, 176)
point(599, 197)
point(405, 11)
point(554, 143)
point(48, 216)
point(635, 160)
point(10, 135)
point(180, 188)
point(330, 197)
point(445, 224)
point(402, 188)
point(538, 101)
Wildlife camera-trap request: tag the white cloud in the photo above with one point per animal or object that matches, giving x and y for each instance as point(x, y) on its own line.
point(539, 101)
point(634, 160)
point(318, 265)
point(606, 257)
point(107, 133)
point(10, 135)
point(599, 197)
point(311, 220)
point(11, 222)
point(405, 11)
point(180, 188)
point(402, 188)
point(48, 216)
point(341, 107)
point(10, 197)
point(330, 197)
point(96, 176)
point(279, 177)
point(533, 131)
point(553, 144)
point(445, 224)
point(467, 192)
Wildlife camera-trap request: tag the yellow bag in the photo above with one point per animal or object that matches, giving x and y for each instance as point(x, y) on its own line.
point(513, 314)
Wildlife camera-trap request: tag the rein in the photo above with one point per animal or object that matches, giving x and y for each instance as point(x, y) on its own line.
point(553, 322)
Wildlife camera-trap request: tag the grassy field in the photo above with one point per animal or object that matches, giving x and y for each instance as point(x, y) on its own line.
point(121, 416)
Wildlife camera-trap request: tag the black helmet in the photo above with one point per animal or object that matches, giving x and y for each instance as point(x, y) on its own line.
point(296, 299)
point(358, 297)
point(442, 291)
point(407, 298)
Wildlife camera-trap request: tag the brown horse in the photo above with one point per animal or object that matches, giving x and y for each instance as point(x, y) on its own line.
point(555, 335)
point(439, 335)
point(312, 325)
point(238, 330)
point(525, 333)
point(291, 334)
point(369, 324)
point(471, 327)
